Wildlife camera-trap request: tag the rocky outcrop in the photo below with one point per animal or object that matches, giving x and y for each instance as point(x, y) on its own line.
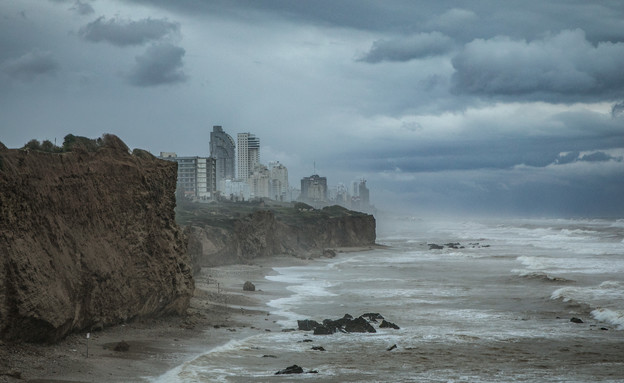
point(265, 233)
point(87, 239)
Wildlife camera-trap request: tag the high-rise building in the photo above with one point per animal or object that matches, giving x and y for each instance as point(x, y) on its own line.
point(248, 154)
point(279, 181)
point(313, 189)
point(196, 175)
point(222, 149)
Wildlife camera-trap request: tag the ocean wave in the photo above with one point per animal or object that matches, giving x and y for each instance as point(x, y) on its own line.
point(540, 276)
point(615, 318)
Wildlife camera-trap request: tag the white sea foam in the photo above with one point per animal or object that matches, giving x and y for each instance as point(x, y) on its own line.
point(612, 317)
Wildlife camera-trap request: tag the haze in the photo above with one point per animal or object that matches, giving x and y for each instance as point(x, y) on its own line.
point(483, 107)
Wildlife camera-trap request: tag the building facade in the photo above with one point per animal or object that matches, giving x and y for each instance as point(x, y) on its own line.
point(279, 182)
point(314, 189)
point(248, 154)
point(196, 176)
point(222, 149)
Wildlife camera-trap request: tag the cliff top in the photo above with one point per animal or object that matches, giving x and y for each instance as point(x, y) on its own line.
point(224, 214)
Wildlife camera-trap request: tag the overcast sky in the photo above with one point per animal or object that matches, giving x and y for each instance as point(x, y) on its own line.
point(489, 107)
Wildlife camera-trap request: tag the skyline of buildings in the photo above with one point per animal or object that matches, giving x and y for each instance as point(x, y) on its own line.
point(233, 171)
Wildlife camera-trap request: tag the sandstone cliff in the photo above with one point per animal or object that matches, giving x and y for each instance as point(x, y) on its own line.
point(87, 239)
point(217, 239)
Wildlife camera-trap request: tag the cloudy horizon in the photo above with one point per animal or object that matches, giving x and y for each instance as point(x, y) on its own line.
point(480, 107)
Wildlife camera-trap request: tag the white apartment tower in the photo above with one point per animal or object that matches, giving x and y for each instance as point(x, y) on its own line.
point(248, 154)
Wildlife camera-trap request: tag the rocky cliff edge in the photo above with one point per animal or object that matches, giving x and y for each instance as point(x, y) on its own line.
point(87, 239)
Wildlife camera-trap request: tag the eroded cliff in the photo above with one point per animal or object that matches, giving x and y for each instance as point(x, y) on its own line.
point(216, 238)
point(87, 239)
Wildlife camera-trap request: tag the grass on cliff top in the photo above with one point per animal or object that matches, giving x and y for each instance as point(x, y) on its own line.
point(225, 214)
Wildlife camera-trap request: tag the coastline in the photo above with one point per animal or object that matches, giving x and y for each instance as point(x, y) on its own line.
point(220, 311)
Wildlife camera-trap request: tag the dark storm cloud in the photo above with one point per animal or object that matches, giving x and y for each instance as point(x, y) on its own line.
point(409, 48)
point(127, 32)
point(161, 64)
point(561, 67)
point(82, 8)
point(31, 65)
point(617, 109)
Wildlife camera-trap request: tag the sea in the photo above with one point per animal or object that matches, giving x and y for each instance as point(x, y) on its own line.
point(503, 300)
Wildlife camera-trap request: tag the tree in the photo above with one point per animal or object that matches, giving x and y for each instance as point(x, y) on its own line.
point(33, 145)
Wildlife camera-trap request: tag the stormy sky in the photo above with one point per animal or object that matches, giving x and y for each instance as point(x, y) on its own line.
point(487, 107)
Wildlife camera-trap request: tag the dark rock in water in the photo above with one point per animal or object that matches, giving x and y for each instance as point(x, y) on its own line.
point(373, 317)
point(386, 324)
point(269, 356)
point(122, 346)
point(307, 340)
point(312, 372)
point(329, 253)
point(307, 324)
point(392, 347)
point(453, 245)
point(433, 246)
point(248, 286)
point(323, 330)
point(294, 369)
point(359, 325)
point(604, 329)
point(576, 320)
point(318, 348)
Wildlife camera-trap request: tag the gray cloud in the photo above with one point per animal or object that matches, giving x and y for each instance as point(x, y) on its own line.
point(31, 65)
point(160, 64)
point(617, 109)
point(453, 19)
point(561, 67)
point(408, 48)
point(82, 8)
point(127, 32)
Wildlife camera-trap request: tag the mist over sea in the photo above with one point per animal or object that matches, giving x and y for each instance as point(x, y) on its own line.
point(497, 308)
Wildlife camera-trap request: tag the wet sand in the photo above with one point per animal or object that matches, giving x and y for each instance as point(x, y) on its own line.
point(220, 311)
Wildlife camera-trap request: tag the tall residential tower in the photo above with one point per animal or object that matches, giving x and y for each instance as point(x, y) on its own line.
point(222, 149)
point(248, 154)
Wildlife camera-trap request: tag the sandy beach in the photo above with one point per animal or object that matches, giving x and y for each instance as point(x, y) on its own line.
point(220, 311)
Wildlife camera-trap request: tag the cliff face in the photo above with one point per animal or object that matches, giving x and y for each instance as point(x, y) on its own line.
point(262, 234)
point(87, 239)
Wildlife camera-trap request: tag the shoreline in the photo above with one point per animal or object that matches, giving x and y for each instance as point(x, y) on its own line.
point(220, 311)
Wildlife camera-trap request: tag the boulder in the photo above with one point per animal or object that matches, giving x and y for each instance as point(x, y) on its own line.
point(576, 320)
point(294, 369)
point(122, 346)
point(373, 317)
point(323, 330)
point(307, 324)
point(329, 253)
point(386, 324)
point(359, 325)
point(248, 286)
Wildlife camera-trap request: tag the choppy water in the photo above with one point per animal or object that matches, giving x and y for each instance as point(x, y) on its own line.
point(497, 310)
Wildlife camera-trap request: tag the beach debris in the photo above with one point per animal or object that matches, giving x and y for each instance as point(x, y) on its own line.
point(386, 324)
point(576, 320)
point(392, 347)
point(294, 369)
point(248, 286)
point(122, 346)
